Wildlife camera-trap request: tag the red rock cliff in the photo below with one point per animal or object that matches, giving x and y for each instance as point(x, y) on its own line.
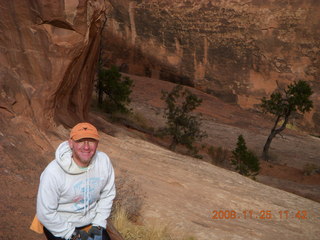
point(48, 54)
point(235, 50)
point(48, 51)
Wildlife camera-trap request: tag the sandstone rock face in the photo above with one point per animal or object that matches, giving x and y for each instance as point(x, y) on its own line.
point(194, 197)
point(236, 51)
point(48, 53)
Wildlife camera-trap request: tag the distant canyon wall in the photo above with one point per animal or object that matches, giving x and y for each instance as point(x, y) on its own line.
point(48, 56)
point(237, 50)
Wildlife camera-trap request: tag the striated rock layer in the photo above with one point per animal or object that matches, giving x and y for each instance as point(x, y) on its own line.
point(238, 51)
point(48, 54)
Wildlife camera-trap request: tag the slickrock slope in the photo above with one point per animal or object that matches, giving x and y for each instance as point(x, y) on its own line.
point(184, 192)
point(179, 191)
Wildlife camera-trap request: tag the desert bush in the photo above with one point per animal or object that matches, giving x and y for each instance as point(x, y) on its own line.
point(219, 156)
point(181, 125)
point(244, 160)
point(131, 231)
point(113, 90)
point(129, 196)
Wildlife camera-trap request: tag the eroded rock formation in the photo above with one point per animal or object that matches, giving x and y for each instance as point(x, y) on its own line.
point(238, 51)
point(49, 51)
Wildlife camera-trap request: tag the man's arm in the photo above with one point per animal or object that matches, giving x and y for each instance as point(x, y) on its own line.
point(108, 193)
point(47, 204)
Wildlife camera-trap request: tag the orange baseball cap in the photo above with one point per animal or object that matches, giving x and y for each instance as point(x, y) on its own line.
point(84, 130)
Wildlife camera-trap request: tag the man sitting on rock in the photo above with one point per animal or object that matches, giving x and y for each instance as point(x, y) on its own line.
point(77, 189)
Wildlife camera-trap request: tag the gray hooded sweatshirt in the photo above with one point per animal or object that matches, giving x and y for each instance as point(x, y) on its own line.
point(70, 197)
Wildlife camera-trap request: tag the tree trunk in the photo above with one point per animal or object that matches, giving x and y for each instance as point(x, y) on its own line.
point(265, 153)
point(100, 95)
point(274, 132)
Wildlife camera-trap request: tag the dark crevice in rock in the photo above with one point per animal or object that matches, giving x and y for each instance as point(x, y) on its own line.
point(59, 24)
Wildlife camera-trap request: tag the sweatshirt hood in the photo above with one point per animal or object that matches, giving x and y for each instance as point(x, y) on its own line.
point(65, 161)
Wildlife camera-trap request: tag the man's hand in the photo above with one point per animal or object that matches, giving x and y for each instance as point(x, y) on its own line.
point(95, 232)
point(79, 235)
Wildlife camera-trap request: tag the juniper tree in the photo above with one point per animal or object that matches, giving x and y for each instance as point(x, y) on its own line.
point(117, 90)
point(282, 104)
point(244, 160)
point(181, 125)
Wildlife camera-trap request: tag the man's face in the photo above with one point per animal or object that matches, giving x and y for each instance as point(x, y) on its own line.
point(83, 150)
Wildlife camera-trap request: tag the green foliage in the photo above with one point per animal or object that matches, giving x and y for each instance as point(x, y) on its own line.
point(281, 104)
point(244, 160)
point(183, 127)
point(114, 90)
point(293, 99)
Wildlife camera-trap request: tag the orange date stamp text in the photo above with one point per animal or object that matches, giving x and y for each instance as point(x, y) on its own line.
point(259, 215)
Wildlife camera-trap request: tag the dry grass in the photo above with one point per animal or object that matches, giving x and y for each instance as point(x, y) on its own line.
point(219, 156)
point(129, 196)
point(132, 231)
point(126, 213)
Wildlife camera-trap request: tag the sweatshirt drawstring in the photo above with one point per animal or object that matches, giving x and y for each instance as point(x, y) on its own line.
point(86, 194)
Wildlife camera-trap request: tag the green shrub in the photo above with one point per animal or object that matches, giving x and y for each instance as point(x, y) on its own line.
point(245, 161)
point(183, 127)
point(113, 90)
